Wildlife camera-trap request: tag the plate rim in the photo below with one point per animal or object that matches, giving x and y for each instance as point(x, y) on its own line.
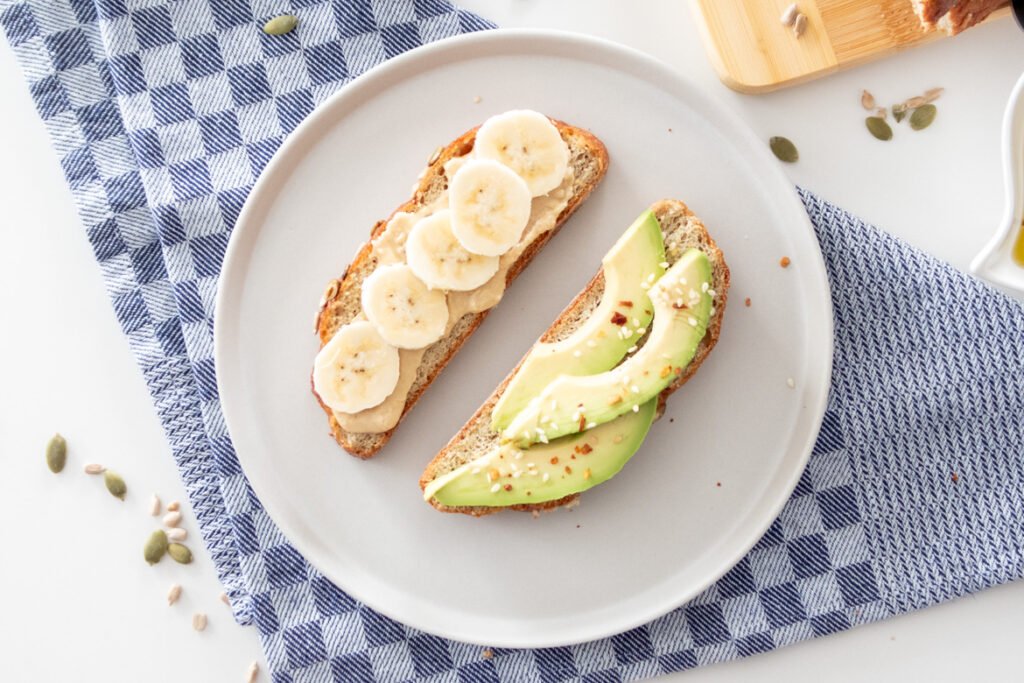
point(577, 43)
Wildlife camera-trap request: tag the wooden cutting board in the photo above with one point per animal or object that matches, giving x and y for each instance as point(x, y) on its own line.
point(753, 52)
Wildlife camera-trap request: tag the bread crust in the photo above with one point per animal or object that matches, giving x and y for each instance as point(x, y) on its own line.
point(334, 313)
point(666, 210)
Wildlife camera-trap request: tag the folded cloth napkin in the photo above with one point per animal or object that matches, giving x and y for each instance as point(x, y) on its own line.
point(163, 114)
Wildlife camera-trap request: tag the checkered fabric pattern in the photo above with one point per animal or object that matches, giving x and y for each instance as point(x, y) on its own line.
point(163, 114)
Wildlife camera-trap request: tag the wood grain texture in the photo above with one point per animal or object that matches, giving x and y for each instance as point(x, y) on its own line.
point(753, 52)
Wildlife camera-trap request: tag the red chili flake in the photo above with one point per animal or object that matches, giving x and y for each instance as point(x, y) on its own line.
point(784, 262)
point(619, 319)
point(718, 484)
point(746, 302)
point(627, 304)
point(488, 653)
point(956, 477)
point(583, 422)
point(679, 307)
point(568, 470)
point(508, 487)
point(586, 448)
point(554, 460)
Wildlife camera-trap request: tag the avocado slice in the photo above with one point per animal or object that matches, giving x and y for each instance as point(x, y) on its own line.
point(510, 476)
point(598, 344)
point(682, 302)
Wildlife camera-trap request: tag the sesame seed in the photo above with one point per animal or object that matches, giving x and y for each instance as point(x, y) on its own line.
point(712, 293)
point(591, 425)
point(632, 349)
point(577, 353)
point(644, 285)
point(704, 286)
point(513, 466)
point(554, 404)
point(539, 430)
point(641, 330)
point(516, 475)
point(475, 470)
point(576, 416)
point(636, 409)
point(790, 383)
point(591, 343)
point(663, 264)
point(495, 488)
point(712, 312)
point(543, 438)
point(650, 278)
point(545, 477)
point(636, 322)
point(635, 389)
point(692, 321)
point(519, 455)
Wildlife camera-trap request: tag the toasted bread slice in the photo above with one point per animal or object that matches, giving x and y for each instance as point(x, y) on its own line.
point(682, 230)
point(341, 301)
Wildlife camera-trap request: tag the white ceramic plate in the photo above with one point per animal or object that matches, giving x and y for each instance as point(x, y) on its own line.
point(712, 474)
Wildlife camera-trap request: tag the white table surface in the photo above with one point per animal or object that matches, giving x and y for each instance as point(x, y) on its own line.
point(78, 603)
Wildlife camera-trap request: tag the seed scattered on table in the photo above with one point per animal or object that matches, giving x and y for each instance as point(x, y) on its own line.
point(224, 598)
point(172, 519)
point(477, 99)
point(56, 453)
point(173, 506)
point(252, 672)
point(173, 594)
point(94, 468)
point(177, 535)
point(179, 553)
point(746, 302)
point(784, 149)
point(867, 100)
point(156, 547)
point(115, 484)
point(199, 621)
point(488, 653)
point(800, 25)
point(784, 262)
point(790, 383)
point(789, 15)
point(279, 26)
point(154, 505)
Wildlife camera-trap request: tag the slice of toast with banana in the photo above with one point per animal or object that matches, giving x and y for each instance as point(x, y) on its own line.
point(481, 210)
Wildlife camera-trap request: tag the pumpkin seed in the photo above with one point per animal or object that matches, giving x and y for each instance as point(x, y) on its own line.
point(155, 547)
point(278, 26)
point(784, 149)
point(115, 484)
point(878, 127)
point(179, 553)
point(899, 111)
point(56, 453)
point(923, 116)
point(867, 100)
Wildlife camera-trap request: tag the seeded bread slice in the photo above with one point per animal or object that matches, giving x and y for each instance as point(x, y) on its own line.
point(682, 230)
point(341, 303)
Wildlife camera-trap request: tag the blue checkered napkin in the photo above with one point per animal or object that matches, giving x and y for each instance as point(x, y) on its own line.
point(164, 113)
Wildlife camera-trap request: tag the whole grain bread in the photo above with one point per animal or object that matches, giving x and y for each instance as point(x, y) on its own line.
point(682, 230)
point(340, 303)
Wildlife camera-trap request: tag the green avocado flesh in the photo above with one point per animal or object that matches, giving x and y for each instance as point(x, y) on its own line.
point(510, 476)
point(682, 302)
point(598, 344)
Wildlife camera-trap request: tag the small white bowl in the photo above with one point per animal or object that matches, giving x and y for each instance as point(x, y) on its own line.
point(995, 262)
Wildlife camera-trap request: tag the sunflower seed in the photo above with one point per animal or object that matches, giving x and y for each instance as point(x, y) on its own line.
point(915, 102)
point(172, 519)
point(878, 127)
point(789, 15)
point(94, 468)
point(278, 26)
point(933, 94)
point(867, 100)
point(173, 506)
point(800, 25)
point(784, 149)
point(199, 621)
point(177, 535)
point(56, 453)
point(173, 594)
point(115, 484)
point(252, 672)
point(154, 505)
point(224, 599)
point(923, 116)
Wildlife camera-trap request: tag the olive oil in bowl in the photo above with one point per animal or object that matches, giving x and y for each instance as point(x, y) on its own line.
point(1018, 247)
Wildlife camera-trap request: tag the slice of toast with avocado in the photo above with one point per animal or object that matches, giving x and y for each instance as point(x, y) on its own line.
point(580, 403)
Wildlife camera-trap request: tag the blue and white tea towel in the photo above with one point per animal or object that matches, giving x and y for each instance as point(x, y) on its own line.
point(163, 112)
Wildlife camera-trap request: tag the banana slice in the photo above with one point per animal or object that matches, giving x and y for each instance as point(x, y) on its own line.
point(356, 369)
point(406, 312)
point(490, 207)
point(529, 144)
point(437, 258)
